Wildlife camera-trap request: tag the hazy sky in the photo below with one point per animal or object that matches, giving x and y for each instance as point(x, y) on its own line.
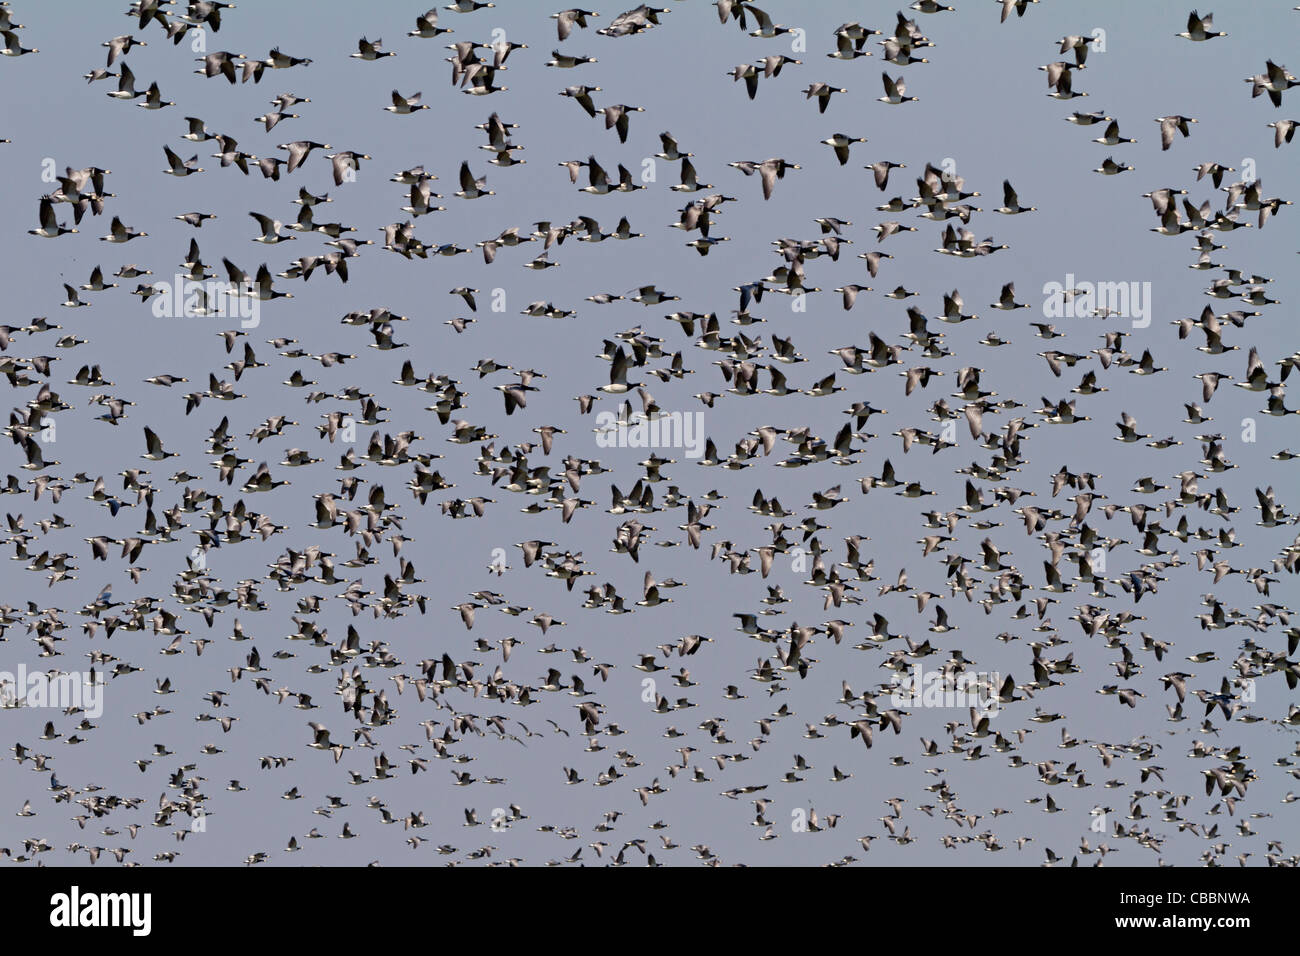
point(982, 108)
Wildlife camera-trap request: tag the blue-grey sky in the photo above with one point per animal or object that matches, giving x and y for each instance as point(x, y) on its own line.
point(982, 112)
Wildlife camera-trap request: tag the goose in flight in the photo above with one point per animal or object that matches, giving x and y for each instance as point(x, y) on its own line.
point(1200, 28)
point(1111, 136)
point(749, 73)
point(566, 20)
point(1173, 124)
point(180, 167)
point(849, 43)
point(840, 143)
point(689, 181)
point(221, 63)
point(582, 96)
point(73, 301)
point(1088, 119)
point(403, 105)
point(616, 118)
point(895, 91)
point(125, 85)
point(12, 46)
point(270, 229)
point(299, 150)
point(764, 27)
point(823, 92)
point(119, 233)
point(1011, 202)
point(346, 164)
point(1275, 80)
point(1019, 6)
point(49, 228)
point(769, 171)
point(1111, 168)
point(366, 50)
point(670, 151)
point(120, 46)
point(567, 61)
point(426, 25)
point(1007, 300)
point(153, 99)
point(1284, 131)
point(271, 119)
